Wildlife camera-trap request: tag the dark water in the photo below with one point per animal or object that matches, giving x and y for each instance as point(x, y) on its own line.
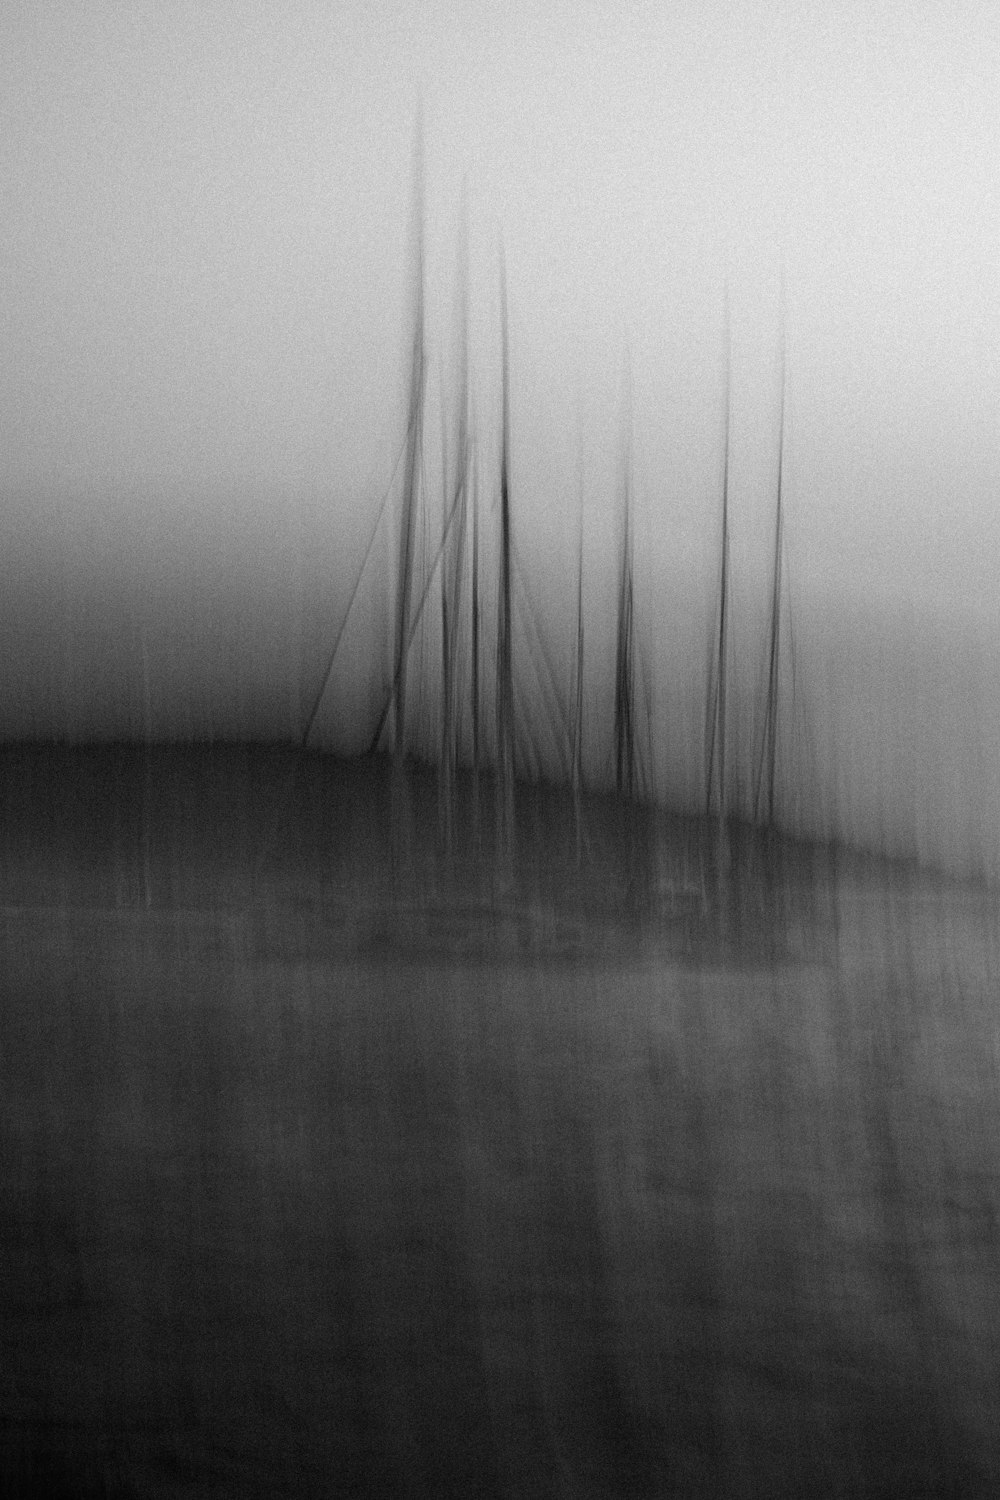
point(299, 1196)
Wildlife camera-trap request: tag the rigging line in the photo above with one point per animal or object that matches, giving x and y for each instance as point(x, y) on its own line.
point(647, 688)
point(416, 620)
point(797, 709)
point(553, 685)
point(357, 584)
point(526, 746)
point(474, 641)
point(577, 677)
point(759, 731)
point(528, 621)
point(711, 700)
point(523, 750)
point(549, 690)
point(647, 698)
point(452, 589)
point(425, 712)
point(624, 687)
point(719, 725)
point(282, 803)
point(532, 756)
point(774, 663)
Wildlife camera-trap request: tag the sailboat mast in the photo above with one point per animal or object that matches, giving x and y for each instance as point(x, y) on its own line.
point(724, 626)
point(475, 637)
point(576, 773)
point(766, 771)
point(719, 724)
point(624, 726)
point(716, 761)
point(773, 662)
point(446, 767)
point(413, 454)
point(505, 681)
point(453, 555)
point(578, 677)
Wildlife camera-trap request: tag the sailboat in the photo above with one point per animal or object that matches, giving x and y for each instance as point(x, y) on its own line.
point(412, 451)
point(405, 618)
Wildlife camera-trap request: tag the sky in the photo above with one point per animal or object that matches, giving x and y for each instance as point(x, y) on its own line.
point(205, 284)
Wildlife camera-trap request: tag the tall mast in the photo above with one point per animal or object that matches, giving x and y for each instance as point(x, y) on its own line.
point(411, 450)
point(445, 764)
point(505, 681)
point(716, 767)
point(769, 746)
point(453, 561)
point(577, 773)
point(624, 724)
point(475, 648)
point(404, 588)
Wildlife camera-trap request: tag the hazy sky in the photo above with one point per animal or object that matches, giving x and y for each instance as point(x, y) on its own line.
point(204, 211)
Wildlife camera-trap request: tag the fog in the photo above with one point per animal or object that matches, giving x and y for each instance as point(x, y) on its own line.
point(206, 293)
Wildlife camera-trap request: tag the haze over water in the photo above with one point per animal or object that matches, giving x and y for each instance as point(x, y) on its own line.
point(205, 298)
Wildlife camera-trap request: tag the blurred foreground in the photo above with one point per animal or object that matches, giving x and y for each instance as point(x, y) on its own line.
point(334, 1163)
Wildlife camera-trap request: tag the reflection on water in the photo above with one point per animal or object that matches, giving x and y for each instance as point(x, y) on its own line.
point(629, 1197)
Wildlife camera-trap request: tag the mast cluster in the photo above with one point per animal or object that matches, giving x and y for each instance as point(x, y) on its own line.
point(451, 557)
